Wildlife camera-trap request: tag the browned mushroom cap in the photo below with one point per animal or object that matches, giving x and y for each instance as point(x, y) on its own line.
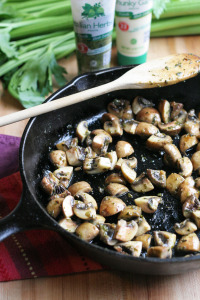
point(191, 125)
point(133, 248)
point(142, 184)
point(189, 181)
point(185, 166)
point(130, 126)
point(125, 231)
point(115, 178)
point(178, 114)
point(124, 149)
point(173, 182)
point(116, 189)
point(186, 191)
point(86, 198)
point(67, 144)
point(107, 232)
point(96, 165)
point(64, 175)
point(198, 147)
point(157, 141)
point(121, 108)
point(188, 243)
point(81, 186)
point(139, 103)
point(101, 141)
point(195, 159)
point(109, 117)
point(149, 115)
point(173, 128)
point(172, 153)
point(148, 204)
point(145, 130)
point(54, 207)
point(87, 231)
point(131, 162)
point(187, 141)
point(75, 156)
point(157, 177)
point(130, 212)
point(82, 130)
point(164, 238)
point(164, 109)
point(68, 224)
point(58, 158)
point(67, 205)
point(145, 239)
point(160, 252)
point(110, 206)
point(143, 225)
point(185, 227)
point(191, 205)
point(128, 173)
point(98, 220)
point(113, 127)
point(49, 182)
point(84, 211)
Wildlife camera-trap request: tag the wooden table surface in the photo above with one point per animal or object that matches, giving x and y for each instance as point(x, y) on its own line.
point(104, 284)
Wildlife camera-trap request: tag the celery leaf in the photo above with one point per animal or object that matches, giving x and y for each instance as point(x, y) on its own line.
point(159, 7)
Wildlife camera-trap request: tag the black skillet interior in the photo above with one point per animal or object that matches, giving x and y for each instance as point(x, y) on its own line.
point(43, 132)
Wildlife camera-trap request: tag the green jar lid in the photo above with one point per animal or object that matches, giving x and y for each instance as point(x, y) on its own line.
point(129, 60)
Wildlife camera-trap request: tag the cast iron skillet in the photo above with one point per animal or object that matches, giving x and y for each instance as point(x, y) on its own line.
point(40, 136)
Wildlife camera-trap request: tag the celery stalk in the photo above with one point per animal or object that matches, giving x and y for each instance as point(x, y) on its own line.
point(189, 30)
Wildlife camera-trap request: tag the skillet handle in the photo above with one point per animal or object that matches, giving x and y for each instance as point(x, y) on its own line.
point(26, 215)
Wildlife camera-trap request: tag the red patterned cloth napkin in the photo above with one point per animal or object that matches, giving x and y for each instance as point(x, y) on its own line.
point(35, 253)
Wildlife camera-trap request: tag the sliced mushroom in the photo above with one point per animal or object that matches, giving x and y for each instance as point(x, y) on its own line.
point(149, 115)
point(82, 130)
point(191, 125)
point(112, 125)
point(113, 158)
point(186, 191)
point(157, 177)
point(115, 178)
point(54, 207)
point(110, 206)
point(133, 248)
point(130, 212)
point(173, 128)
point(121, 108)
point(195, 159)
point(143, 225)
point(131, 162)
point(196, 217)
point(124, 149)
point(67, 205)
point(75, 156)
point(61, 195)
point(84, 211)
point(139, 103)
point(191, 205)
point(145, 239)
point(107, 232)
point(178, 114)
point(116, 189)
point(187, 141)
point(68, 224)
point(101, 141)
point(89, 153)
point(86, 198)
point(87, 231)
point(164, 109)
point(64, 175)
point(49, 182)
point(172, 154)
point(130, 126)
point(173, 182)
point(185, 227)
point(81, 186)
point(145, 130)
point(160, 252)
point(124, 231)
point(67, 144)
point(128, 173)
point(142, 184)
point(98, 220)
point(148, 204)
point(164, 238)
point(58, 158)
point(189, 181)
point(185, 166)
point(188, 243)
point(96, 165)
point(157, 141)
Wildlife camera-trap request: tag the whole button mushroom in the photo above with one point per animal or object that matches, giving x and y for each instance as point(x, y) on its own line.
point(124, 149)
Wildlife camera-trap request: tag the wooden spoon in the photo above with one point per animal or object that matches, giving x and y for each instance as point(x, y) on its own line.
point(157, 73)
